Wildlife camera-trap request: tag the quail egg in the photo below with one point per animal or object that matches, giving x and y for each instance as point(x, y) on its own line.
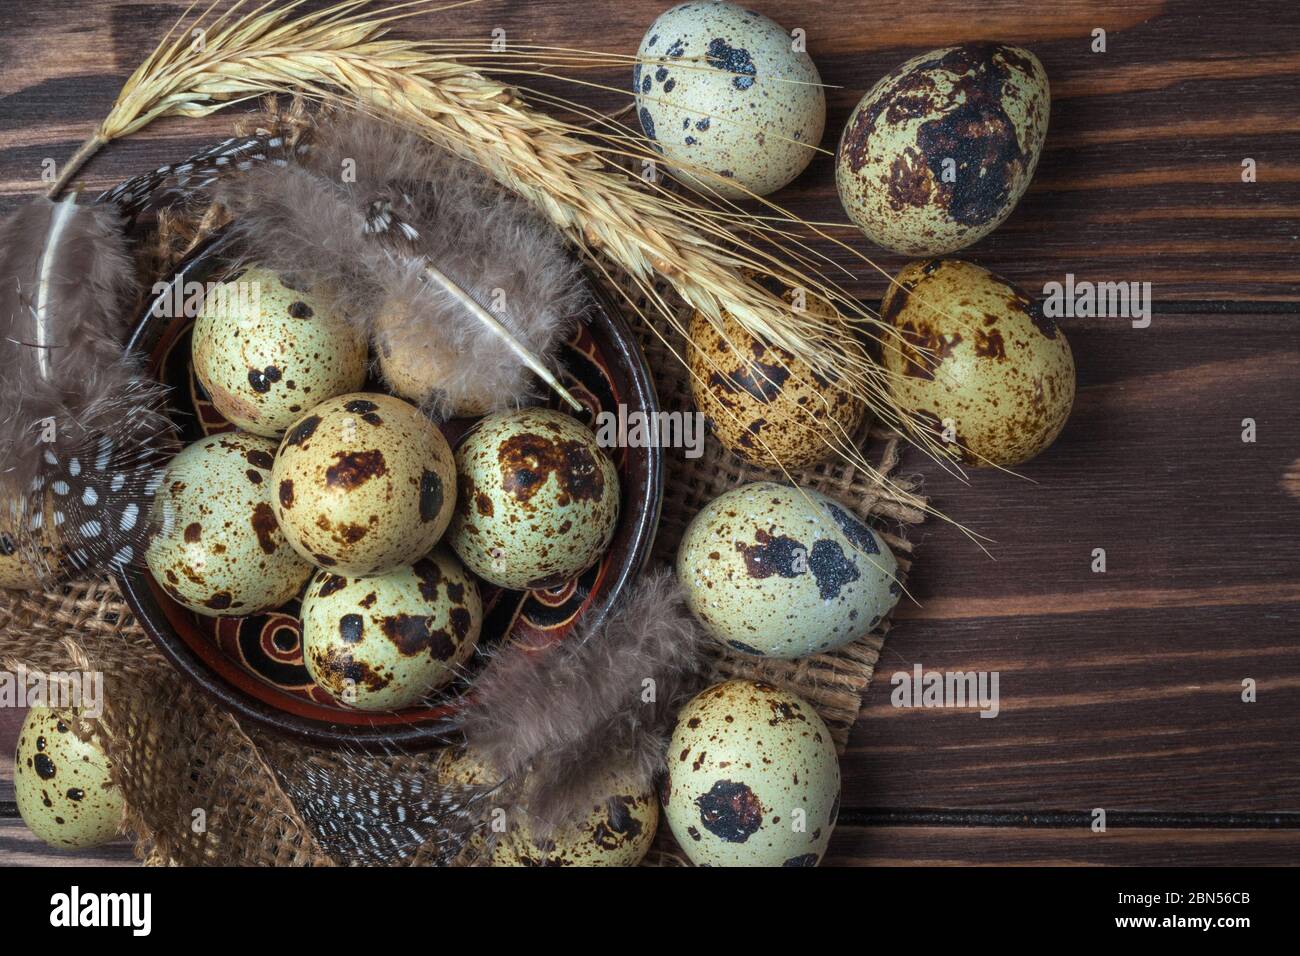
point(218, 550)
point(18, 568)
point(539, 499)
point(364, 483)
point(384, 642)
point(617, 832)
point(784, 572)
point(939, 152)
point(267, 348)
point(62, 784)
point(976, 360)
point(414, 365)
point(753, 779)
point(730, 99)
point(763, 404)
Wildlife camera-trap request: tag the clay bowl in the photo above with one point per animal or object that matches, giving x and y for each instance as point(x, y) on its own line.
point(254, 665)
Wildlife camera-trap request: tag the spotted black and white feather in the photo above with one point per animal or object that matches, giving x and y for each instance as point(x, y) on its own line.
point(362, 814)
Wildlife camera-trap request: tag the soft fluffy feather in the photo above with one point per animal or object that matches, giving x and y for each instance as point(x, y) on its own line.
point(410, 203)
point(63, 376)
point(552, 721)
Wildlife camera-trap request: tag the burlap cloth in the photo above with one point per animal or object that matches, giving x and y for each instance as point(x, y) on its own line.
point(199, 785)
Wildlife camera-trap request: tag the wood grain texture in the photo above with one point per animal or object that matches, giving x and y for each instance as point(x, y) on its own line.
point(19, 847)
point(1118, 690)
point(1122, 689)
point(1026, 846)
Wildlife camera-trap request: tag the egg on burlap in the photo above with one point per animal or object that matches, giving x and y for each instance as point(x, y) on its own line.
point(617, 831)
point(763, 404)
point(977, 362)
point(62, 785)
point(385, 642)
point(779, 571)
point(364, 483)
point(267, 348)
point(936, 155)
point(539, 499)
point(218, 549)
point(753, 779)
point(730, 100)
point(28, 558)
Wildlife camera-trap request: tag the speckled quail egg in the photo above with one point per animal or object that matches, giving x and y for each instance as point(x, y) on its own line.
point(267, 350)
point(783, 572)
point(939, 152)
point(364, 483)
point(762, 402)
point(414, 365)
point(384, 642)
point(753, 779)
point(539, 499)
point(62, 784)
point(617, 832)
point(725, 96)
point(219, 550)
point(977, 361)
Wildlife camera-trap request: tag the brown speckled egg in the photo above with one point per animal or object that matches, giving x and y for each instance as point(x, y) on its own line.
point(617, 832)
point(784, 572)
point(753, 779)
point(539, 499)
point(267, 351)
point(413, 367)
point(724, 95)
point(20, 549)
point(62, 784)
point(364, 483)
point(977, 361)
point(219, 550)
point(939, 152)
point(384, 642)
point(763, 402)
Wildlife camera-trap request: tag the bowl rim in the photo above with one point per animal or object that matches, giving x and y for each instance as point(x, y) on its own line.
point(645, 503)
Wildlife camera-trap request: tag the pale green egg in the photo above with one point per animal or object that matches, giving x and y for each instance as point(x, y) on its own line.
point(62, 784)
point(729, 97)
point(778, 571)
point(218, 549)
point(267, 350)
point(753, 779)
point(539, 499)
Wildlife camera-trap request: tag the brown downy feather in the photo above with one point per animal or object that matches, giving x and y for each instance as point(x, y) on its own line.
point(82, 433)
point(554, 721)
point(368, 205)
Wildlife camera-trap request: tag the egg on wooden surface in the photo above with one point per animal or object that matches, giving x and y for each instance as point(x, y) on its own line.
point(760, 400)
point(722, 91)
point(617, 832)
point(62, 784)
point(267, 348)
point(777, 571)
point(753, 779)
point(539, 499)
point(219, 550)
point(364, 483)
point(386, 641)
point(939, 152)
point(977, 361)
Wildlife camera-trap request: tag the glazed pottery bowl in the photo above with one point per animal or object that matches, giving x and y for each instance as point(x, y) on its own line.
point(254, 665)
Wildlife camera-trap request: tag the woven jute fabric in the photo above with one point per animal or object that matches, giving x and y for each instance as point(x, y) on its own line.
point(200, 788)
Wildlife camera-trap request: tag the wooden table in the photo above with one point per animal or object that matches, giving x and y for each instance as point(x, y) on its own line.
point(1119, 690)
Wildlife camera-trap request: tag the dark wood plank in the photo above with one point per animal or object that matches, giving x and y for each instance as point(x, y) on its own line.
point(1024, 846)
point(1120, 689)
point(19, 847)
point(1140, 180)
